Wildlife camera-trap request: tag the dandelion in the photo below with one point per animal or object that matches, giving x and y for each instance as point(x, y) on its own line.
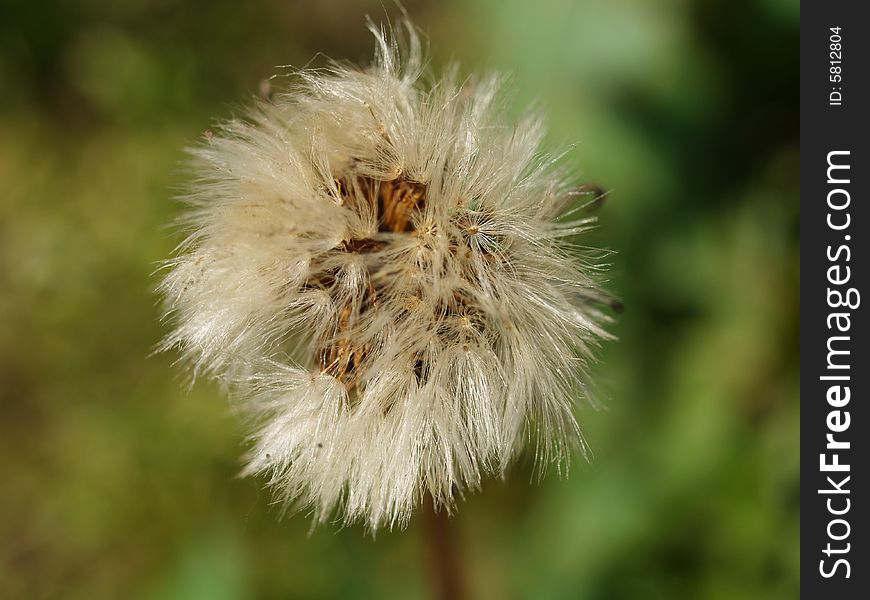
point(386, 276)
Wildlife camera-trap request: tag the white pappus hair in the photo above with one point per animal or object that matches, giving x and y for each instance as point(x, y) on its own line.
point(384, 274)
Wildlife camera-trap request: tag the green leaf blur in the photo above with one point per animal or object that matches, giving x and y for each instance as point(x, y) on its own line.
point(120, 482)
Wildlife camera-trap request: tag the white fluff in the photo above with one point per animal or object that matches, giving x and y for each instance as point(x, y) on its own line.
point(386, 352)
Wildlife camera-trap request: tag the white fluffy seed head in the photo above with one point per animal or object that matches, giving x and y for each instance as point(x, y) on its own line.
point(383, 273)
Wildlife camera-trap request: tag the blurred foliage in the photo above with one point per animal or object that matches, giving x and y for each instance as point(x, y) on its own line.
point(119, 482)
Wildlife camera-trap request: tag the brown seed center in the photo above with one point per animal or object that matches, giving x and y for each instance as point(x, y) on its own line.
point(394, 203)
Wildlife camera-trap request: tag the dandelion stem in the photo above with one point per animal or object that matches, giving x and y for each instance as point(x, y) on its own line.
point(446, 576)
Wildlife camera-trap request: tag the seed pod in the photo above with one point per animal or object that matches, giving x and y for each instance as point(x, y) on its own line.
point(384, 275)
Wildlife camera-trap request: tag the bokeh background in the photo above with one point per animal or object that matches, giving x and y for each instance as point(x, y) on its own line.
point(119, 482)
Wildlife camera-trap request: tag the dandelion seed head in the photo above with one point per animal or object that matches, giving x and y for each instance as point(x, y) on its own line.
point(382, 272)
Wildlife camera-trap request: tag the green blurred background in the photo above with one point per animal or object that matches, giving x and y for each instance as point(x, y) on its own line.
point(118, 482)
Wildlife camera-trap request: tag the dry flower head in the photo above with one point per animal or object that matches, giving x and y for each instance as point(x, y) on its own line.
point(385, 274)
